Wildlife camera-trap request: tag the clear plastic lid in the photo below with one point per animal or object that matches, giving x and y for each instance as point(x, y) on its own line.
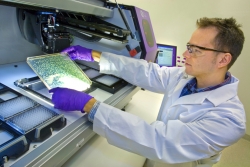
point(58, 70)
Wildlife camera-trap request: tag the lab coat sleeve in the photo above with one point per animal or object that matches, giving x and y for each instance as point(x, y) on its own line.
point(149, 76)
point(170, 142)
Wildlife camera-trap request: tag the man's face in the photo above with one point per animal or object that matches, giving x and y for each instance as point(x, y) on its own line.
point(201, 63)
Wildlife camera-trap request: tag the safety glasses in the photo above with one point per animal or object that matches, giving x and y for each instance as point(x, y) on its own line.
point(195, 50)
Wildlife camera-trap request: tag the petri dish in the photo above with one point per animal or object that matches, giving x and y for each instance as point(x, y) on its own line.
point(58, 70)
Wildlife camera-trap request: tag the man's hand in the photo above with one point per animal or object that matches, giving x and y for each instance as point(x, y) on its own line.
point(70, 100)
point(79, 53)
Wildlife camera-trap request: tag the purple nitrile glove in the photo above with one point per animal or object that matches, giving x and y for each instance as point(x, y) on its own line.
point(69, 99)
point(79, 53)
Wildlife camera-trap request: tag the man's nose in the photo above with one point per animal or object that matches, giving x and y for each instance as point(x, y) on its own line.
point(186, 54)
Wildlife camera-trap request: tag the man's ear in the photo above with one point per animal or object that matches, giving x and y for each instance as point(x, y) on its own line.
point(225, 59)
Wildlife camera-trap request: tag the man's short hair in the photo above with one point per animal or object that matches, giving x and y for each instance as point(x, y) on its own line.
point(230, 37)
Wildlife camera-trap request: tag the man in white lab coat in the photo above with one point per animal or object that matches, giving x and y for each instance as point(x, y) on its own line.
point(200, 114)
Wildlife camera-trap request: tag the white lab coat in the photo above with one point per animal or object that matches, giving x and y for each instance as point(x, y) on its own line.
point(189, 130)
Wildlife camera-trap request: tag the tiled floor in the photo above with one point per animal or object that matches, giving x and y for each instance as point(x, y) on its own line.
point(145, 104)
point(237, 155)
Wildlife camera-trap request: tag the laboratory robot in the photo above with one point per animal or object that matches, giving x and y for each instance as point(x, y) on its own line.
point(32, 132)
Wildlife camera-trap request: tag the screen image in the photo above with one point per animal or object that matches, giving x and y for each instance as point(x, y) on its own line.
point(166, 55)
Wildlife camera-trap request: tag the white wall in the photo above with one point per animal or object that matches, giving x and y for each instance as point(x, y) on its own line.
point(174, 21)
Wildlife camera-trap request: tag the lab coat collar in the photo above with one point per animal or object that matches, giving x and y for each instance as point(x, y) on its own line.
point(214, 96)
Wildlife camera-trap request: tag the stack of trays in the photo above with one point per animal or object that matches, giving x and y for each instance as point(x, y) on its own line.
point(14, 106)
point(108, 83)
point(23, 121)
point(37, 122)
point(12, 143)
